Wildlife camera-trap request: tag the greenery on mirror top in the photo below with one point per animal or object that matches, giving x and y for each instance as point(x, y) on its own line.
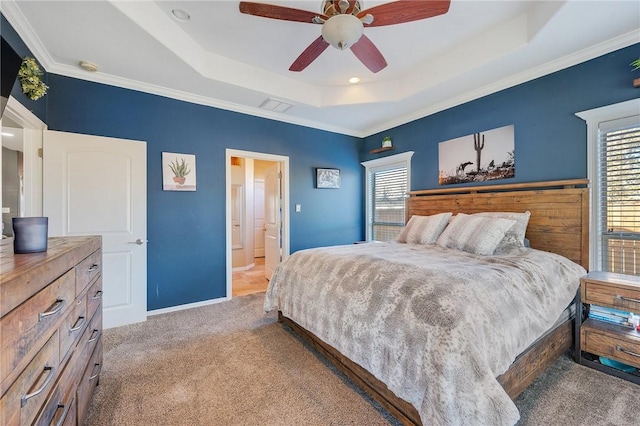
point(30, 79)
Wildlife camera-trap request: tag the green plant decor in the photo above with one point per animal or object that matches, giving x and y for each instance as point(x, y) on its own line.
point(179, 169)
point(635, 64)
point(30, 79)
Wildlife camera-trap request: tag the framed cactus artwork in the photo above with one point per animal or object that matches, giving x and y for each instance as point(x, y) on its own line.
point(178, 172)
point(478, 157)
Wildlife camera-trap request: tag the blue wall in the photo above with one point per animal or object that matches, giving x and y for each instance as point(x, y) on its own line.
point(186, 230)
point(550, 140)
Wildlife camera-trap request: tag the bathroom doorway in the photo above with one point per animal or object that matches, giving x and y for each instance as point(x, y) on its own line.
point(257, 220)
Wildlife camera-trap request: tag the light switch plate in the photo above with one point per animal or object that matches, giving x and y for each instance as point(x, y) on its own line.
point(298, 208)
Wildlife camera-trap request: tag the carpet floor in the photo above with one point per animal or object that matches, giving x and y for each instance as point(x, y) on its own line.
point(231, 364)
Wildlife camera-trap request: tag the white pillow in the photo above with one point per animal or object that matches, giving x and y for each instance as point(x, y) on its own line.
point(474, 234)
point(424, 229)
point(514, 237)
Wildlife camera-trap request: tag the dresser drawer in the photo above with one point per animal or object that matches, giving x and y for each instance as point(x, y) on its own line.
point(90, 339)
point(624, 298)
point(26, 328)
point(25, 397)
point(94, 297)
point(88, 383)
point(60, 405)
point(623, 347)
point(73, 325)
point(88, 270)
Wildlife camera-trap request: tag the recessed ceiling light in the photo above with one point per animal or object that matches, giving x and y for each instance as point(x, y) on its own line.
point(181, 14)
point(354, 80)
point(88, 66)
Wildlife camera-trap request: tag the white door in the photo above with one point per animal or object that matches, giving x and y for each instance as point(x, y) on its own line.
point(258, 218)
point(98, 186)
point(272, 219)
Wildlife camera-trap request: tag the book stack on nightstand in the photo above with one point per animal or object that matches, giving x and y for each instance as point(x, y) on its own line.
point(608, 339)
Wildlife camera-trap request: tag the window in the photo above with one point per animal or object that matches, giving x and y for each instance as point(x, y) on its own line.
point(619, 195)
point(387, 182)
point(614, 174)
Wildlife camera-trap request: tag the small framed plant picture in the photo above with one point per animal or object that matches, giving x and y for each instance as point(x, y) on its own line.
point(327, 178)
point(178, 172)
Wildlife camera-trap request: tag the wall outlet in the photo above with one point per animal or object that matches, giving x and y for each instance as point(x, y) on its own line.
point(6, 210)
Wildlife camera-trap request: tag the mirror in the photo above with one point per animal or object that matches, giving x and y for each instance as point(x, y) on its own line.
point(13, 197)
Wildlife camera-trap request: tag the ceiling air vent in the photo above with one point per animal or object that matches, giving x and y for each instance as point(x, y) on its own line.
point(275, 105)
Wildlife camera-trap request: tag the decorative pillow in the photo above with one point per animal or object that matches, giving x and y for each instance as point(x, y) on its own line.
point(474, 233)
point(424, 229)
point(514, 237)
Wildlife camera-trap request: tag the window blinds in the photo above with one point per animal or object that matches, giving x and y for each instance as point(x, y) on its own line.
point(387, 188)
point(619, 195)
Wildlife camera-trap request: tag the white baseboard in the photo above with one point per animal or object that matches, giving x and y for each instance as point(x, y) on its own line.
point(243, 268)
point(187, 306)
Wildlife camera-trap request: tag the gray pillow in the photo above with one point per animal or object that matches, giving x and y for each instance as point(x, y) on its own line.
point(424, 229)
point(474, 234)
point(514, 237)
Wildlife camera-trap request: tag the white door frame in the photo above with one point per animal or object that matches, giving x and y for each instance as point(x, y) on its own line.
point(32, 128)
point(284, 162)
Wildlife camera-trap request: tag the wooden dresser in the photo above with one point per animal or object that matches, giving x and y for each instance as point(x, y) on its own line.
point(50, 331)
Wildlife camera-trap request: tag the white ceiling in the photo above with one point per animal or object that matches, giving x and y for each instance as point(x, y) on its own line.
point(234, 61)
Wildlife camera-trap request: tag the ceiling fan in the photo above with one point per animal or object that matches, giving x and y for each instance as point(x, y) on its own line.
point(343, 22)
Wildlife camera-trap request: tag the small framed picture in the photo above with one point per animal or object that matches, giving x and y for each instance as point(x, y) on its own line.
point(327, 178)
point(178, 172)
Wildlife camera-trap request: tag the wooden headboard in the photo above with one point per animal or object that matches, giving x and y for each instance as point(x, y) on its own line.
point(559, 220)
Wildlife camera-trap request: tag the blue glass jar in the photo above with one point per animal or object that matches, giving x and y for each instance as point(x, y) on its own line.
point(30, 234)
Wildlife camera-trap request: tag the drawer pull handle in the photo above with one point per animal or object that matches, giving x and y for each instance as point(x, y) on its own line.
point(94, 369)
point(92, 339)
point(78, 325)
point(623, 350)
point(93, 268)
point(37, 392)
point(64, 413)
point(627, 299)
point(54, 309)
point(98, 295)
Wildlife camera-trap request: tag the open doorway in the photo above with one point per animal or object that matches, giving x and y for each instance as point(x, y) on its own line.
point(257, 219)
point(21, 177)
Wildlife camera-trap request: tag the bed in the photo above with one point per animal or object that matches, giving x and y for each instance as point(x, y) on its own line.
point(433, 359)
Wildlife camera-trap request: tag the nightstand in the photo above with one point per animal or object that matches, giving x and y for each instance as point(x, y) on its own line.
point(595, 338)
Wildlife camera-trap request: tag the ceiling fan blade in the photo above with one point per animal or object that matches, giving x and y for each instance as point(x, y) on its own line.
point(309, 55)
point(369, 55)
point(398, 12)
point(278, 12)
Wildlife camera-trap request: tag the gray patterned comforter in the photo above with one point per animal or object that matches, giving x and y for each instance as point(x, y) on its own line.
point(436, 325)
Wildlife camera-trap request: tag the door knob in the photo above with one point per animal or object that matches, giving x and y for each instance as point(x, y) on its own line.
point(138, 242)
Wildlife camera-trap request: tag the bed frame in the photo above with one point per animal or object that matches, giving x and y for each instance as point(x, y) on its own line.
point(559, 223)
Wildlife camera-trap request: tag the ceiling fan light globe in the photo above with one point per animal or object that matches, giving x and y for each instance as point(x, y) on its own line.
point(342, 31)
